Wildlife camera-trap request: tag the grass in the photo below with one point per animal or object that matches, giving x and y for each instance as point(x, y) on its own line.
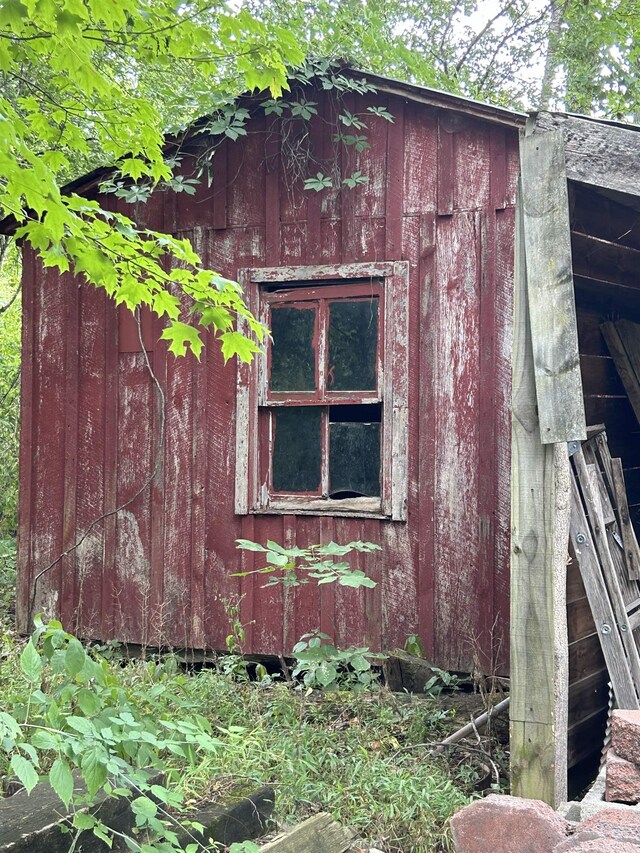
point(336, 752)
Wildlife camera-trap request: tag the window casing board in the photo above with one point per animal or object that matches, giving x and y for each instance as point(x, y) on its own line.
point(346, 414)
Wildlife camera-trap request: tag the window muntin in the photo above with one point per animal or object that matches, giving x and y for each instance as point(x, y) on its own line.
point(325, 346)
point(267, 287)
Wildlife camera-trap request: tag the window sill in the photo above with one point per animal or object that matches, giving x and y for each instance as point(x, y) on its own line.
point(349, 507)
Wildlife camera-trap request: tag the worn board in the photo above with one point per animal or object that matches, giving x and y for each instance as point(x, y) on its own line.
point(539, 520)
point(552, 312)
point(599, 154)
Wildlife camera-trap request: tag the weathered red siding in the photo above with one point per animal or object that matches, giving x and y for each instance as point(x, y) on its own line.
point(440, 195)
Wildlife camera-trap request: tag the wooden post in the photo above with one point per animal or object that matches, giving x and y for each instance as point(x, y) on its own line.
point(540, 515)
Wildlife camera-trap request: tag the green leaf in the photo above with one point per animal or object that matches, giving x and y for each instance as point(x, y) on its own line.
point(180, 335)
point(248, 545)
point(93, 771)
point(31, 663)
point(25, 771)
point(61, 780)
point(75, 656)
point(84, 820)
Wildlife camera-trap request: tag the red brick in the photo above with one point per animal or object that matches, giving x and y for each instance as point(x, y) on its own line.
point(623, 780)
point(625, 734)
point(509, 825)
point(621, 825)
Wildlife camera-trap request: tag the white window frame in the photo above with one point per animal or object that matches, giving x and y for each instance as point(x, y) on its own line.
point(252, 496)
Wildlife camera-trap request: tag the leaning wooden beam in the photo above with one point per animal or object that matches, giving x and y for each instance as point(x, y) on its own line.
point(540, 492)
point(622, 341)
point(608, 632)
point(552, 310)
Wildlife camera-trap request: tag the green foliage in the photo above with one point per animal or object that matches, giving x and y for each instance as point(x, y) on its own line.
point(316, 562)
point(341, 753)
point(324, 667)
point(439, 681)
point(10, 326)
point(95, 82)
point(7, 579)
point(414, 645)
point(68, 709)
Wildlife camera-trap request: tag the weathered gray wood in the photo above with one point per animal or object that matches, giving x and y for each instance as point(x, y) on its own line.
point(600, 155)
point(31, 823)
point(318, 834)
point(596, 523)
point(235, 818)
point(552, 311)
point(540, 489)
point(623, 341)
point(610, 639)
point(631, 549)
point(404, 671)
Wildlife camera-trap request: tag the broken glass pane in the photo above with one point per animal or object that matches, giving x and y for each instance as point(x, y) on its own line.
point(296, 451)
point(353, 345)
point(354, 452)
point(293, 354)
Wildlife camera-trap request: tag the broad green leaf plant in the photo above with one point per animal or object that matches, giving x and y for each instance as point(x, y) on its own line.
point(92, 82)
point(296, 566)
point(77, 713)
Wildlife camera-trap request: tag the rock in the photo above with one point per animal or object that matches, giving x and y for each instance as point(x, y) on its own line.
point(623, 780)
point(622, 826)
point(403, 671)
point(596, 843)
point(509, 825)
point(625, 734)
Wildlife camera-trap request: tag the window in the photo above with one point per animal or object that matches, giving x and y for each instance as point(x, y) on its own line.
point(322, 414)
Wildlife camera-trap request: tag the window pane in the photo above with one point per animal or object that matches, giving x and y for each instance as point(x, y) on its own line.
point(353, 345)
point(354, 456)
point(296, 452)
point(293, 352)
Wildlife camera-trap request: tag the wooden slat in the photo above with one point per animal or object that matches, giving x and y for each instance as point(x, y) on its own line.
point(318, 834)
point(631, 550)
point(618, 338)
point(552, 309)
point(600, 155)
point(539, 520)
point(610, 641)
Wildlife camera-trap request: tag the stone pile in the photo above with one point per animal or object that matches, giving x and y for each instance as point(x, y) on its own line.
point(502, 824)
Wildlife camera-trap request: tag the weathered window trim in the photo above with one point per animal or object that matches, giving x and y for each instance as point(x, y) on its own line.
point(251, 495)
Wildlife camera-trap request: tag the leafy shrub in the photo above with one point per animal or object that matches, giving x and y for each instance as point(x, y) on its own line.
point(324, 667)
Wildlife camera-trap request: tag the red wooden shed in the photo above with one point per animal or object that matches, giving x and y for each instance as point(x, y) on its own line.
point(436, 351)
point(408, 448)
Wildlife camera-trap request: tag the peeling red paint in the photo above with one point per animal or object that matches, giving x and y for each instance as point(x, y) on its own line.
point(440, 195)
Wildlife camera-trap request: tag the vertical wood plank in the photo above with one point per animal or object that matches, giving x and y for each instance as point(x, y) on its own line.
point(220, 182)
point(395, 185)
point(68, 604)
point(27, 458)
point(445, 168)
point(540, 509)
point(552, 310)
point(111, 412)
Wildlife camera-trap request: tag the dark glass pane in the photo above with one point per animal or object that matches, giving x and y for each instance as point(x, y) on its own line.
point(354, 459)
point(353, 345)
point(296, 451)
point(293, 354)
